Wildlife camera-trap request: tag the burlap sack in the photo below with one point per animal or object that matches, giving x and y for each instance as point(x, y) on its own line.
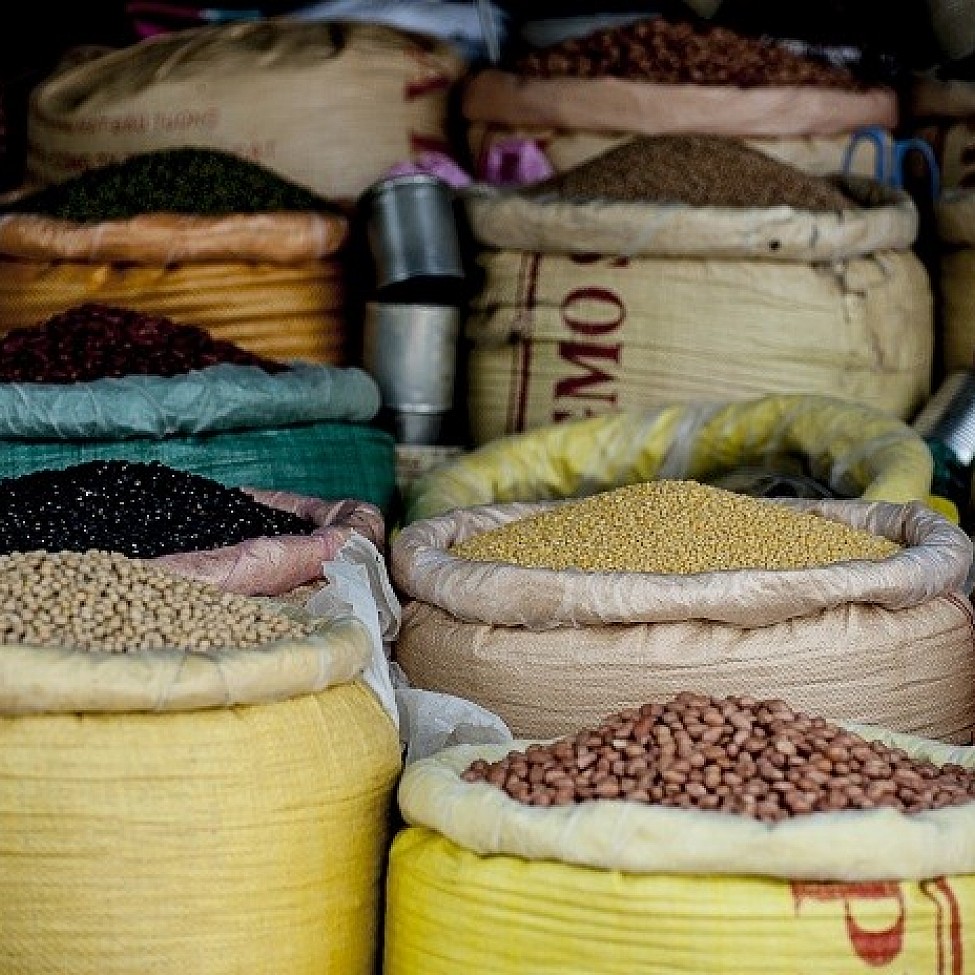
point(586, 309)
point(330, 106)
point(647, 108)
point(273, 283)
point(887, 642)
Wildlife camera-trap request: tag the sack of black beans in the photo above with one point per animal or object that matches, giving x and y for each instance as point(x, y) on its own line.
point(621, 285)
point(197, 235)
point(653, 77)
point(697, 835)
point(553, 612)
point(330, 106)
point(251, 829)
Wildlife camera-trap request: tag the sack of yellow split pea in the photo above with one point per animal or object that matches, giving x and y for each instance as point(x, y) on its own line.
point(480, 882)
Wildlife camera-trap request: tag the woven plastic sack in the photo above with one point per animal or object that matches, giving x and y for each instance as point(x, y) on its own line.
point(272, 283)
point(590, 309)
point(888, 642)
point(481, 883)
point(203, 813)
point(854, 450)
point(330, 106)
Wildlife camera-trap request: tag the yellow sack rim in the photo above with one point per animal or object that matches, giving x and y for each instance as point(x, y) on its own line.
point(880, 844)
point(58, 680)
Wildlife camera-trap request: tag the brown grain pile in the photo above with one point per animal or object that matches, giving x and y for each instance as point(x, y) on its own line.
point(696, 170)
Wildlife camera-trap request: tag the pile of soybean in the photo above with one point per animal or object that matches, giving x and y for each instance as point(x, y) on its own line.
point(140, 510)
point(94, 341)
point(737, 755)
point(673, 526)
point(105, 601)
point(201, 181)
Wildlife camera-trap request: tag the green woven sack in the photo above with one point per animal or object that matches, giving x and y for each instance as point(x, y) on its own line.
point(321, 460)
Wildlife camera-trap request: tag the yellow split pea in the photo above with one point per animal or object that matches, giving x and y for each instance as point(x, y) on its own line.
point(673, 526)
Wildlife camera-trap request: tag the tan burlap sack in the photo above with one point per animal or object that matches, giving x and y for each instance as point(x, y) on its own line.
point(821, 155)
point(888, 642)
point(586, 309)
point(328, 105)
point(273, 283)
point(648, 108)
point(956, 229)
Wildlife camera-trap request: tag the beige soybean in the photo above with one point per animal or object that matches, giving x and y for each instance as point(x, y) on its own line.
point(736, 755)
point(673, 526)
point(107, 602)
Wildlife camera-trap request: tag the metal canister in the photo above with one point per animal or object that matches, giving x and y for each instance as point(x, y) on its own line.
point(949, 416)
point(412, 231)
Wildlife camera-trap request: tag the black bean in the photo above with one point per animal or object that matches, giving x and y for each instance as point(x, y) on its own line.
point(141, 510)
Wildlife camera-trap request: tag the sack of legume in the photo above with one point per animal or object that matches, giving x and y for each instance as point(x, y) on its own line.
point(956, 229)
point(197, 235)
point(624, 283)
point(330, 106)
point(580, 97)
point(193, 781)
point(853, 451)
point(807, 848)
point(551, 613)
point(99, 382)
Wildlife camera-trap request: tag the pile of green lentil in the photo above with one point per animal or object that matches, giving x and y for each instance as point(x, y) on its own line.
point(142, 510)
point(206, 182)
point(696, 170)
point(673, 526)
point(105, 601)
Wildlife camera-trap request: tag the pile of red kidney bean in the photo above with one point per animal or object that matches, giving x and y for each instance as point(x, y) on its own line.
point(98, 341)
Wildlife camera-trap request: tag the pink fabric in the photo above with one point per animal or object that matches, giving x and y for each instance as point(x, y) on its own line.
point(270, 566)
point(434, 164)
point(515, 162)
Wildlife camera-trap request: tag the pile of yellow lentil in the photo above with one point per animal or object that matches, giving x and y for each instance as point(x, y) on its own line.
point(105, 601)
point(673, 526)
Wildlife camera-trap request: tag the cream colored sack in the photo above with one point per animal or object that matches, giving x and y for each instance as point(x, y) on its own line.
point(201, 813)
point(887, 642)
point(956, 228)
point(330, 106)
point(614, 888)
point(589, 309)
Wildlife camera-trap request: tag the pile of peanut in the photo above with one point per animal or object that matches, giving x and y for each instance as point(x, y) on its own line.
point(739, 755)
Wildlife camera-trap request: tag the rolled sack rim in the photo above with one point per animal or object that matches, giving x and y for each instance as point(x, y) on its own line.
point(887, 219)
point(935, 561)
point(881, 844)
point(38, 680)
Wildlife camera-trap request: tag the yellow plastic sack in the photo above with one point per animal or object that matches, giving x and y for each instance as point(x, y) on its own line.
point(480, 883)
point(200, 814)
point(856, 450)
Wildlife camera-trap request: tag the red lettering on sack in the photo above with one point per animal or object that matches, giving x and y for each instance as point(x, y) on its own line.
point(420, 143)
point(589, 259)
point(429, 77)
point(877, 948)
point(581, 387)
point(616, 310)
point(950, 953)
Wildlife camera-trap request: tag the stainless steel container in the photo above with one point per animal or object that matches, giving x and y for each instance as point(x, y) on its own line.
point(411, 352)
point(412, 230)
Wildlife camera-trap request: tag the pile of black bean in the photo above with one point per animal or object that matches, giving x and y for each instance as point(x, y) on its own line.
point(141, 510)
point(97, 341)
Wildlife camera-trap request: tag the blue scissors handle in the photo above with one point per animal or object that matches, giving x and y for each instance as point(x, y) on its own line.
point(890, 157)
